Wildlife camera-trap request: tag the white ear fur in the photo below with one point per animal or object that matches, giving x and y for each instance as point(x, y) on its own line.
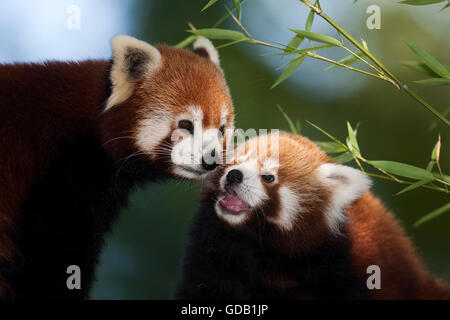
point(206, 44)
point(346, 185)
point(131, 59)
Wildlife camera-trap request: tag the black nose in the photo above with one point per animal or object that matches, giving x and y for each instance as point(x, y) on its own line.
point(212, 158)
point(234, 176)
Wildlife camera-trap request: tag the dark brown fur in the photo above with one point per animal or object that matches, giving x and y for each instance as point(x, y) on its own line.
point(41, 105)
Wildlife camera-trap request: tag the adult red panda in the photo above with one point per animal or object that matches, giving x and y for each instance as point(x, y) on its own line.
point(76, 137)
point(286, 223)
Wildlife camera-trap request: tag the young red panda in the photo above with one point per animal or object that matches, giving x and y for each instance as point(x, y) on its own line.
point(286, 223)
point(76, 137)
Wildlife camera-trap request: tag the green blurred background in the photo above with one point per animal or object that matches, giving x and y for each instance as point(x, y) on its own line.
point(142, 256)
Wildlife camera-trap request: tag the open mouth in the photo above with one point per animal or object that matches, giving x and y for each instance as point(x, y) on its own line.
point(232, 202)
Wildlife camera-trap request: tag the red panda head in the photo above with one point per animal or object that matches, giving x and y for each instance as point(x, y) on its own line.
point(168, 106)
point(287, 181)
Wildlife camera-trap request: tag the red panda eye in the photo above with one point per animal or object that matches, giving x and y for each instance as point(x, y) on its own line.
point(222, 129)
point(186, 125)
point(268, 178)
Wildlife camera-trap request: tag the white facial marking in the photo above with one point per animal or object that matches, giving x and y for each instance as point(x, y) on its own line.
point(122, 85)
point(153, 129)
point(270, 166)
point(190, 148)
point(251, 190)
point(290, 208)
point(346, 185)
point(206, 44)
point(188, 151)
point(223, 116)
point(197, 114)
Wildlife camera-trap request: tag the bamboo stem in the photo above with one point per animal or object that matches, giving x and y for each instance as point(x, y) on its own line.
point(399, 84)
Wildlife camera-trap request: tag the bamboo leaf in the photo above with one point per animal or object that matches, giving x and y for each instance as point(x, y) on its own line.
point(348, 60)
point(433, 214)
point(237, 5)
point(343, 158)
point(420, 2)
point(317, 37)
point(230, 43)
point(444, 177)
point(292, 66)
point(430, 166)
point(434, 82)
point(288, 120)
point(403, 170)
point(364, 43)
point(225, 17)
point(352, 143)
point(431, 62)
point(222, 34)
point(413, 186)
point(209, 4)
point(437, 155)
point(438, 150)
point(330, 146)
point(289, 50)
point(186, 42)
point(293, 44)
point(309, 20)
point(435, 151)
point(420, 67)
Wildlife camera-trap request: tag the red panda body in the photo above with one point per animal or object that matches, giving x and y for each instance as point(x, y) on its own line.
point(77, 137)
point(296, 226)
point(377, 238)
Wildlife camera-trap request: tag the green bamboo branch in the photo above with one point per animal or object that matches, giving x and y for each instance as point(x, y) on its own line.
point(379, 176)
point(363, 60)
point(251, 40)
point(359, 159)
point(316, 56)
point(393, 79)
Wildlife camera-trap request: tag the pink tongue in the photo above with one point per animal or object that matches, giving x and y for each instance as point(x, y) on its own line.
point(232, 202)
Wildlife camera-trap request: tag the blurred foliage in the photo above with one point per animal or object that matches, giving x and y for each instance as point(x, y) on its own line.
point(142, 256)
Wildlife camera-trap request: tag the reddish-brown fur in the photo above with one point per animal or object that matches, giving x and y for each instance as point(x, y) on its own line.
point(184, 79)
point(43, 104)
point(378, 239)
point(375, 234)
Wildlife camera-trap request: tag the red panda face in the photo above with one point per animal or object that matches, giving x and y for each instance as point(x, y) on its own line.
point(288, 181)
point(174, 105)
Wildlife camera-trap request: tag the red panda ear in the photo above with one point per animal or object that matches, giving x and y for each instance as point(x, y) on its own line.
point(346, 185)
point(132, 59)
point(203, 47)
